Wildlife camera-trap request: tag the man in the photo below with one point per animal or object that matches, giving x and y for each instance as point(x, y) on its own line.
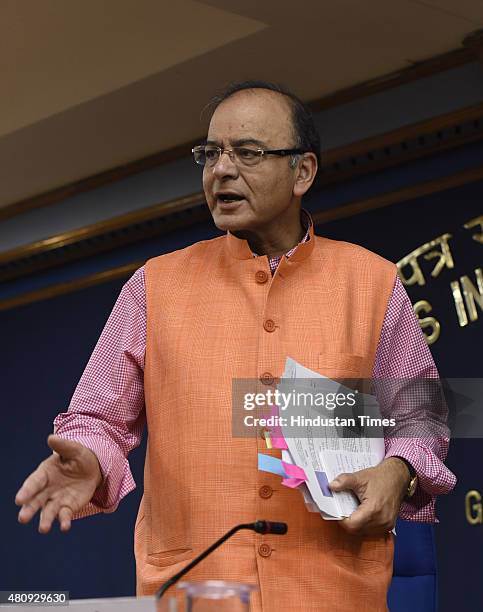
point(187, 324)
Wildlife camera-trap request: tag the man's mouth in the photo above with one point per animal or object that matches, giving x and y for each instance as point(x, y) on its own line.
point(228, 197)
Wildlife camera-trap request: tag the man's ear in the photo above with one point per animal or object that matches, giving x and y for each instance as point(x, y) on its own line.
point(305, 174)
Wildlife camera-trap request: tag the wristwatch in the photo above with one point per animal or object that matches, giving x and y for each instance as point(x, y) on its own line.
point(413, 483)
point(412, 486)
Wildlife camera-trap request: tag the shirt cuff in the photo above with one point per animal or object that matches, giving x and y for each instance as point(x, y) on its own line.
point(117, 478)
point(434, 478)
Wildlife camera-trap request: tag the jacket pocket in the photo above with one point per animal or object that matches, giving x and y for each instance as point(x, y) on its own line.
point(167, 533)
point(170, 557)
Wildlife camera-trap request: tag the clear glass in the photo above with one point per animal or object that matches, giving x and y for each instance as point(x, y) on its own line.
point(209, 155)
point(217, 595)
point(246, 156)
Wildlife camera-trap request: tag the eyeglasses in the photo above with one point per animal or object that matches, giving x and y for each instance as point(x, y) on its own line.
point(208, 155)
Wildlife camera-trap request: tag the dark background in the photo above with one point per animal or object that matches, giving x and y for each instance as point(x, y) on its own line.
point(47, 344)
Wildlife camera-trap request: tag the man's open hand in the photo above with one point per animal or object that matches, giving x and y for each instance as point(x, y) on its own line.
point(380, 490)
point(62, 484)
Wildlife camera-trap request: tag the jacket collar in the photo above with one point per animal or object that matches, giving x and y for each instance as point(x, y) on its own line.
point(240, 249)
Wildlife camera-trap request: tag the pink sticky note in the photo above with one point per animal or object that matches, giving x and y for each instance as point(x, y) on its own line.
point(294, 471)
point(293, 483)
point(279, 442)
point(276, 435)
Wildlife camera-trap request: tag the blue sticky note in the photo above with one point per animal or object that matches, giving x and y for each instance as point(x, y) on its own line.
point(267, 463)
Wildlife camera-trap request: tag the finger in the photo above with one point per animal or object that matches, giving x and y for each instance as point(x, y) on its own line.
point(361, 519)
point(28, 510)
point(67, 449)
point(48, 515)
point(343, 482)
point(35, 483)
point(65, 518)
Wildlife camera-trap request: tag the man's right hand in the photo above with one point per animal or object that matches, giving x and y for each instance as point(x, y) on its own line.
point(62, 484)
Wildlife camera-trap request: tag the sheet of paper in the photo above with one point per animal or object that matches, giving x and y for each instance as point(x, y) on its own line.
point(323, 452)
point(309, 502)
point(305, 455)
point(337, 462)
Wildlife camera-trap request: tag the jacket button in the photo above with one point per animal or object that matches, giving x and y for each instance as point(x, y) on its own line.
point(266, 378)
point(265, 492)
point(269, 325)
point(261, 277)
point(264, 550)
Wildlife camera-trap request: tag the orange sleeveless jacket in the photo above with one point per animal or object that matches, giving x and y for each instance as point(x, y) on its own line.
point(214, 313)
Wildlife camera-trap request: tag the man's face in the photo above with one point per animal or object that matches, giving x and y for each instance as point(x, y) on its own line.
point(255, 118)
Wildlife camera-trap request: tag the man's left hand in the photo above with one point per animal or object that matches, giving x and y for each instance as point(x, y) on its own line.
point(380, 490)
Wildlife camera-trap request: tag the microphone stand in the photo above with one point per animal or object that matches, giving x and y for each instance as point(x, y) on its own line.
point(262, 527)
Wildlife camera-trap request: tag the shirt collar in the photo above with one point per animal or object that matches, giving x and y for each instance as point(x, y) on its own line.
point(239, 248)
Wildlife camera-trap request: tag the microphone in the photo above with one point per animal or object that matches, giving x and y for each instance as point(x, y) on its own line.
point(269, 527)
point(262, 527)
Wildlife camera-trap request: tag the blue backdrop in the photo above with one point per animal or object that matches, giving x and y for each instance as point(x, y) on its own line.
point(46, 345)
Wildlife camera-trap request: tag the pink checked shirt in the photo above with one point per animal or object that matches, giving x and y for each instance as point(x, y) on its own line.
point(106, 412)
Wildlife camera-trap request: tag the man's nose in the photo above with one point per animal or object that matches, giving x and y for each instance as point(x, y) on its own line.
point(225, 166)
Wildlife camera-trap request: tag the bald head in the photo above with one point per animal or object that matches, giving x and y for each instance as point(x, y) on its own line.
point(305, 134)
